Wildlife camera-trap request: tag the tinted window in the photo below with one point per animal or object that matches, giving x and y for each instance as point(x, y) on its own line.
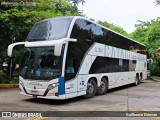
point(132, 65)
point(39, 63)
point(89, 32)
point(49, 30)
point(84, 32)
point(109, 65)
point(99, 35)
point(74, 58)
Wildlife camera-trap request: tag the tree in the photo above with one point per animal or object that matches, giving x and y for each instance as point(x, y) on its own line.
point(153, 37)
point(76, 2)
point(139, 34)
point(17, 21)
point(148, 33)
point(142, 24)
point(157, 2)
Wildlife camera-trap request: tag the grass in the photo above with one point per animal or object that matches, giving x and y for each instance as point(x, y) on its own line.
point(156, 78)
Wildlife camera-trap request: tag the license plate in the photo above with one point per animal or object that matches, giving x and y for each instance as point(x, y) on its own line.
point(34, 92)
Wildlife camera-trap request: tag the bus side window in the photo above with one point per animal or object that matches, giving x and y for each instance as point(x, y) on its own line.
point(70, 68)
point(72, 62)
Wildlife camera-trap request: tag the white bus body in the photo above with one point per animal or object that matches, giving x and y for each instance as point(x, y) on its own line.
point(78, 57)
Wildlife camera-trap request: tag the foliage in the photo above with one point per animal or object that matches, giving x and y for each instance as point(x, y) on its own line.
point(139, 34)
point(155, 68)
point(157, 2)
point(14, 80)
point(2, 77)
point(76, 2)
point(154, 31)
point(148, 33)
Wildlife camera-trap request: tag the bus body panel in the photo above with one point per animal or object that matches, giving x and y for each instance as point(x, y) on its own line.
point(71, 88)
point(97, 50)
point(37, 88)
point(60, 97)
point(86, 64)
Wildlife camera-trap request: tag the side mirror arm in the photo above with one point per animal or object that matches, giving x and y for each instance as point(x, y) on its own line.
point(11, 46)
point(58, 46)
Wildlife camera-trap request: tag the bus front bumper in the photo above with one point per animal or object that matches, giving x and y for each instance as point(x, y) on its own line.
point(60, 97)
point(41, 93)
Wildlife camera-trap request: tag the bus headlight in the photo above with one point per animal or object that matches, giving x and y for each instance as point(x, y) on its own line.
point(51, 86)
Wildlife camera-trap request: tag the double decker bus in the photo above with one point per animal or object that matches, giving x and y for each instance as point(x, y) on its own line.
point(71, 56)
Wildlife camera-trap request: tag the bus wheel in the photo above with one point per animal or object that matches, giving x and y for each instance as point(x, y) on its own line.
point(136, 81)
point(141, 78)
point(102, 89)
point(91, 89)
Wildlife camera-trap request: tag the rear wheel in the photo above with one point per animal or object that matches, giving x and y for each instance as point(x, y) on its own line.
point(102, 89)
point(91, 89)
point(141, 78)
point(136, 81)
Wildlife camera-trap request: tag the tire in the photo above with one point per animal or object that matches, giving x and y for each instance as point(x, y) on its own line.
point(91, 89)
point(140, 79)
point(102, 89)
point(136, 81)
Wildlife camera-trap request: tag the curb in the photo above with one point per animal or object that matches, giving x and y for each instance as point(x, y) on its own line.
point(155, 78)
point(6, 86)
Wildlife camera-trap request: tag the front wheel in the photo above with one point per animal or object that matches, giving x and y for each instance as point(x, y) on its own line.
point(102, 89)
point(91, 89)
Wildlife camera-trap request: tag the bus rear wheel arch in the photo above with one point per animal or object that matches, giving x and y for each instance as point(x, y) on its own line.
point(102, 89)
point(91, 88)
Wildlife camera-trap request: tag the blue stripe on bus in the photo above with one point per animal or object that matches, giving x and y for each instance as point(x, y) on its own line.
point(61, 87)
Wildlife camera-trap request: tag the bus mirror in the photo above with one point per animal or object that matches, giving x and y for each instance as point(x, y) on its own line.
point(57, 49)
point(58, 46)
point(71, 40)
point(11, 46)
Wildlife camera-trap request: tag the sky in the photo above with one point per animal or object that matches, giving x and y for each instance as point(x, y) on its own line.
point(123, 13)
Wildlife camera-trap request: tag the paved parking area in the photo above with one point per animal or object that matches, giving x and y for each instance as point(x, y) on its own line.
point(144, 97)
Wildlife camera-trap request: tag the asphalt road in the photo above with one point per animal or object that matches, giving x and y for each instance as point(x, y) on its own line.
point(144, 97)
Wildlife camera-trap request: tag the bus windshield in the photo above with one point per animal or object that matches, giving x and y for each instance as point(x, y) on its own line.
point(51, 29)
point(39, 63)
